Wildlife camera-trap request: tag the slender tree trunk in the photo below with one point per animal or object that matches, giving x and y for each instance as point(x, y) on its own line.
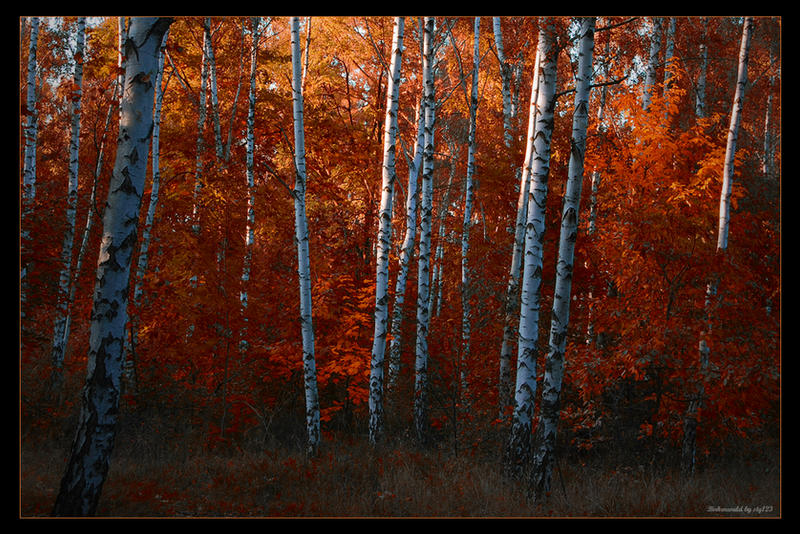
point(406, 251)
point(32, 116)
point(466, 291)
point(249, 237)
point(65, 277)
point(87, 467)
point(212, 70)
point(29, 158)
point(544, 454)
point(200, 143)
point(301, 238)
point(692, 417)
point(384, 239)
point(505, 78)
point(426, 210)
point(129, 370)
point(511, 322)
point(700, 85)
point(518, 452)
point(652, 62)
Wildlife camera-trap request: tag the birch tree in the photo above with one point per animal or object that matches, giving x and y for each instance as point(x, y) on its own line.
point(31, 116)
point(652, 61)
point(301, 240)
point(65, 276)
point(518, 452)
point(249, 237)
point(384, 238)
point(466, 313)
point(700, 85)
point(88, 462)
point(691, 419)
point(543, 456)
point(505, 79)
point(423, 272)
point(511, 321)
point(141, 262)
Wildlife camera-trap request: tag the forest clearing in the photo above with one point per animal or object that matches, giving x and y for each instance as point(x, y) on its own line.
point(391, 267)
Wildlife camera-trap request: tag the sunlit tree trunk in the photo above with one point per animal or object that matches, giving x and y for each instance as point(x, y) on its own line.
point(652, 61)
point(200, 143)
point(249, 237)
point(691, 419)
point(212, 71)
point(129, 370)
point(544, 451)
point(466, 313)
point(505, 78)
point(426, 211)
point(88, 462)
point(301, 239)
point(384, 238)
point(518, 452)
point(510, 329)
point(65, 276)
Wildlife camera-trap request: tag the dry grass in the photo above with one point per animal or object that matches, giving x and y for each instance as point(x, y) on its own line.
point(167, 478)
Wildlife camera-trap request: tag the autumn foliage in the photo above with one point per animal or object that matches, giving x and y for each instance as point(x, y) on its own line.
point(639, 284)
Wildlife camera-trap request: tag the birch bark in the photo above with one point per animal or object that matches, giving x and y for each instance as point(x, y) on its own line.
point(384, 238)
point(512, 289)
point(505, 79)
point(652, 62)
point(129, 371)
point(544, 455)
point(249, 237)
point(700, 97)
point(87, 466)
point(466, 292)
point(65, 276)
point(426, 210)
point(691, 419)
point(32, 116)
point(518, 452)
point(301, 239)
point(212, 71)
point(407, 251)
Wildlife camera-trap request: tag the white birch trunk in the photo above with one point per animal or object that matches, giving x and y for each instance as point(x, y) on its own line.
point(652, 62)
point(544, 454)
point(700, 97)
point(249, 237)
point(200, 143)
point(129, 370)
point(384, 239)
point(94, 439)
point(406, 251)
point(426, 210)
point(691, 419)
point(466, 291)
point(212, 70)
point(32, 116)
point(512, 290)
point(527, 347)
point(65, 276)
point(301, 238)
point(505, 78)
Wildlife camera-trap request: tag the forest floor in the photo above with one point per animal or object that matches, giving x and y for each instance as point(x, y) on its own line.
point(163, 477)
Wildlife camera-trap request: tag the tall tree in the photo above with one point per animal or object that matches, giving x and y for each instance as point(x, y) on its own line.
point(301, 240)
point(543, 456)
point(88, 463)
point(691, 419)
point(426, 212)
point(31, 115)
point(469, 193)
point(129, 371)
point(505, 79)
point(65, 277)
point(511, 304)
point(384, 237)
point(652, 61)
point(519, 445)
